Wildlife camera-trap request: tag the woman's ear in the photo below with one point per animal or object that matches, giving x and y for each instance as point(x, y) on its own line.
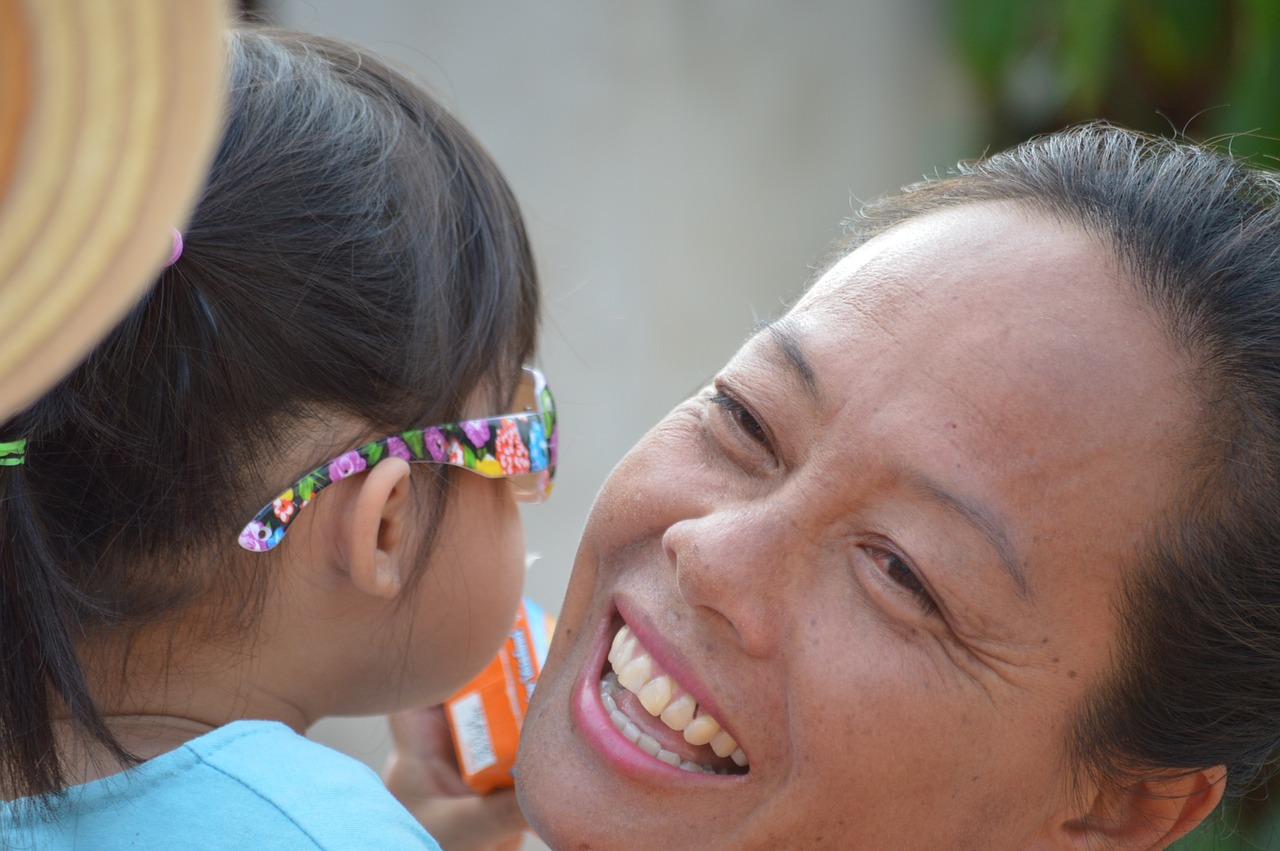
point(376, 529)
point(1149, 814)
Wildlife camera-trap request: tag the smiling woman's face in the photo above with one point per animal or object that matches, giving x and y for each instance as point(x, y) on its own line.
point(881, 554)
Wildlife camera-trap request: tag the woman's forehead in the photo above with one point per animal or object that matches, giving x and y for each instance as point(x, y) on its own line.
point(988, 302)
point(963, 244)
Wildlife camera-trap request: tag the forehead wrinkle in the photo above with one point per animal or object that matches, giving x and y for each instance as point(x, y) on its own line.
point(982, 518)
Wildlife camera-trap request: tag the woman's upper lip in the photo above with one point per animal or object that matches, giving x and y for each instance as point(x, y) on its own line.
point(668, 656)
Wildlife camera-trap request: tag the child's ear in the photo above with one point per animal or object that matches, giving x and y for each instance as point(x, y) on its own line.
point(1148, 815)
point(376, 529)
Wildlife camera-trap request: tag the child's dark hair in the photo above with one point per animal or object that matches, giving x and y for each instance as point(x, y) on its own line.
point(356, 255)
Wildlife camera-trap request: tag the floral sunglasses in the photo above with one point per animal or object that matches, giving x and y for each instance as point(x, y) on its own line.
point(520, 447)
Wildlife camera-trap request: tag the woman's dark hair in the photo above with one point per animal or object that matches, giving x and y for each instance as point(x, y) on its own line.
point(355, 256)
point(1196, 677)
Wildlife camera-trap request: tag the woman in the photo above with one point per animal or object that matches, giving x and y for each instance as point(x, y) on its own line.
point(973, 548)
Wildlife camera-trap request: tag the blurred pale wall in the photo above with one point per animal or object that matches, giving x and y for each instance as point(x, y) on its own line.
point(680, 164)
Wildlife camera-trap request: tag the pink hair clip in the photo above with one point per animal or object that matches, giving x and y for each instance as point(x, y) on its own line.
point(176, 251)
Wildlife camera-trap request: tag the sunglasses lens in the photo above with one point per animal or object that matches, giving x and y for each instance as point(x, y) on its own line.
point(531, 487)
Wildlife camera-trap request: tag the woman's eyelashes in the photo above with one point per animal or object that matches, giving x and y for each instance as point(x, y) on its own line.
point(740, 418)
point(900, 572)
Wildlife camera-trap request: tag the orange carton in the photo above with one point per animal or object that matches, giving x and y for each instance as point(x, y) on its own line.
point(486, 714)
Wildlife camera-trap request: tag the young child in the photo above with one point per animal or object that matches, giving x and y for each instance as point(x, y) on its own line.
point(354, 294)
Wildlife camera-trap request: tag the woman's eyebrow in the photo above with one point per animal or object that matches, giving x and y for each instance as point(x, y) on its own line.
point(982, 518)
point(787, 342)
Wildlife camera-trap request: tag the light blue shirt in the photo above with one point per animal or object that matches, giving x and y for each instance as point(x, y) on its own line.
point(248, 785)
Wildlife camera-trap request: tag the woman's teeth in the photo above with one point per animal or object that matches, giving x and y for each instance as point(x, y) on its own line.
point(609, 688)
point(635, 671)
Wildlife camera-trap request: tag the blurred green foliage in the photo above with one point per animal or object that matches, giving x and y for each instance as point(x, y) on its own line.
point(1206, 68)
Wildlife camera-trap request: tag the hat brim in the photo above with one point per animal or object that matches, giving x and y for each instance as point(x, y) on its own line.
point(109, 116)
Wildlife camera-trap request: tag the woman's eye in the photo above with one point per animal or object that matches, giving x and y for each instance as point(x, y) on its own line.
point(897, 569)
point(742, 418)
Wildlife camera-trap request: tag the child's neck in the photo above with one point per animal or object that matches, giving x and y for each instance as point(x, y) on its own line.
point(144, 736)
point(181, 685)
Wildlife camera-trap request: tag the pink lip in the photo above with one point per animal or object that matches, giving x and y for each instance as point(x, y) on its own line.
point(593, 724)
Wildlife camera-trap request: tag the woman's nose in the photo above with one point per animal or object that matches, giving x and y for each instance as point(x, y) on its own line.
point(732, 564)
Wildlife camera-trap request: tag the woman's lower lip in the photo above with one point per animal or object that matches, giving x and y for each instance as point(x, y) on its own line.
point(599, 733)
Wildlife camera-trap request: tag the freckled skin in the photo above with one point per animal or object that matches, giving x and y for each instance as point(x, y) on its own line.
point(986, 349)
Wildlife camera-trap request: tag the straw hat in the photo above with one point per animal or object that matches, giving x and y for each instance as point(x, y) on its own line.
point(109, 114)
